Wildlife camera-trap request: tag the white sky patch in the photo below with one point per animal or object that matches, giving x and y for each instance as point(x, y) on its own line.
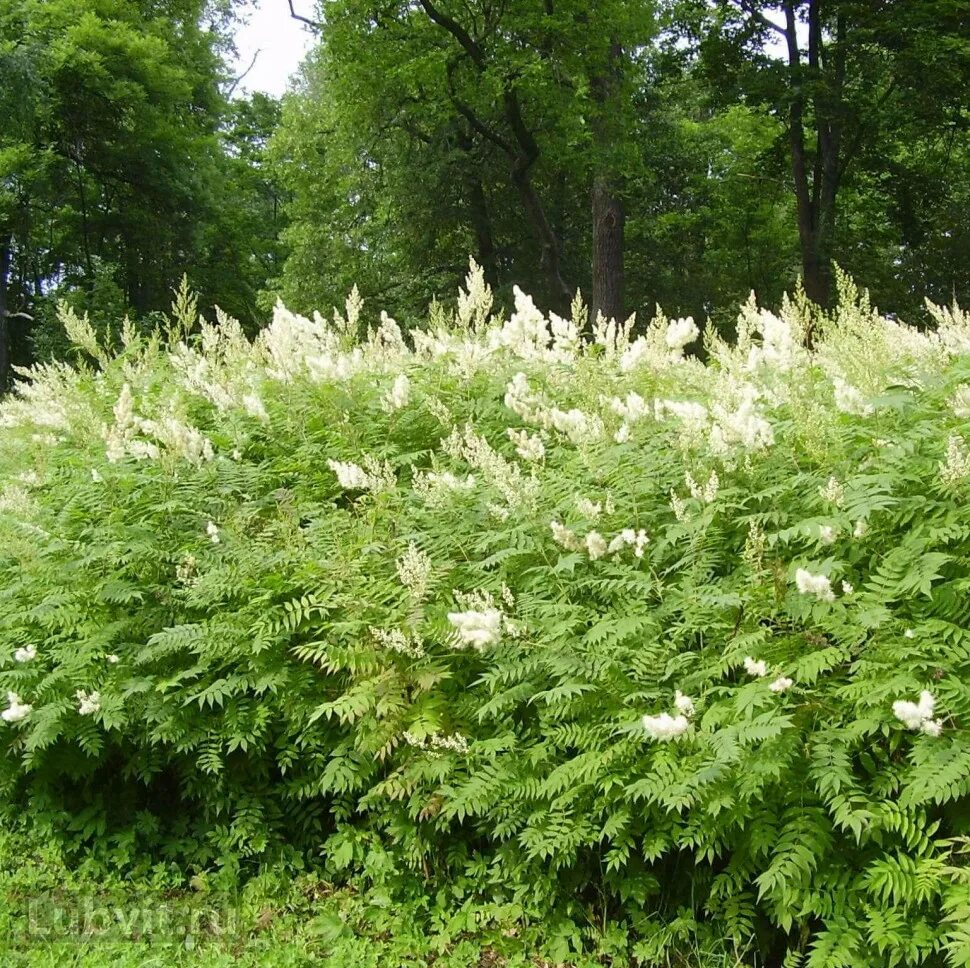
point(281, 41)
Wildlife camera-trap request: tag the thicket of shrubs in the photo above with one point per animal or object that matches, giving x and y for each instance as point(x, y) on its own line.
point(576, 623)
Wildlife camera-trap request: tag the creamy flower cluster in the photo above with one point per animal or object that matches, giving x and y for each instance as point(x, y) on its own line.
point(595, 545)
point(707, 492)
point(632, 408)
point(528, 446)
point(16, 709)
point(50, 401)
point(918, 716)
point(399, 394)
point(293, 345)
point(817, 585)
point(758, 669)
point(436, 743)
point(956, 466)
point(394, 640)
point(661, 347)
point(475, 300)
point(665, 727)
point(477, 628)
point(373, 476)
point(481, 623)
point(126, 436)
point(438, 487)
point(850, 399)
point(575, 424)
point(88, 703)
point(528, 336)
point(740, 422)
point(221, 370)
point(507, 477)
point(833, 492)
point(414, 571)
point(781, 348)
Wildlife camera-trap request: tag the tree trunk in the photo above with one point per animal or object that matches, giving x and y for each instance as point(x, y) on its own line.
point(550, 258)
point(815, 197)
point(607, 208)
point(608, 219)
point(482, 227)
point(486, 253)
point(816, 272)
point(5, 256)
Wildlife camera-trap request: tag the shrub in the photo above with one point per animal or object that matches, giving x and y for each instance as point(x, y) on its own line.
point(577, 622)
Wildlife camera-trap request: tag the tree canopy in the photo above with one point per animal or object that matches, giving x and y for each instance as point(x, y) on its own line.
point(680, 152)
point(122, 166)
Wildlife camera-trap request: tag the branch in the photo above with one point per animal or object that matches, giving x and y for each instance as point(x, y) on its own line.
point(314, 24)
point(529, 149)
point(525, 138)
point(522, 154)
point(236, 81)
point(790, 34)
point(473, 119)
point(456, 30)
point(749, 8)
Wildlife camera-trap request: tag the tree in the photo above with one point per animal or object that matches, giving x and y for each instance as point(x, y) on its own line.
point(851, 72)
point(123, 166)
point(241, 246)
point(506, 117)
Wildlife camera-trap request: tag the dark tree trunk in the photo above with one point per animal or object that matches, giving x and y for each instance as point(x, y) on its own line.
point(482, 227)
point(607, 207)
point(85, 228)
point(608, 219)
point(816, 273)
point(5, 256)
point(477, 202)
point(550, 258)
point(816, 192)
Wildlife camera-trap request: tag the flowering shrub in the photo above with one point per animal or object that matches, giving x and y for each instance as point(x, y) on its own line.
point(548, 606)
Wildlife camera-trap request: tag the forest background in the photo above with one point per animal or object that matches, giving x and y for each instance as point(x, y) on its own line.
point(680, 152)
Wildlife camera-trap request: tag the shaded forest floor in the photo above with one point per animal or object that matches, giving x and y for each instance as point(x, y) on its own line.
point(53, 916)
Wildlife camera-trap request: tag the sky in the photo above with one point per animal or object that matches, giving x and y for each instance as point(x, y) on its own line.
point(280, 40)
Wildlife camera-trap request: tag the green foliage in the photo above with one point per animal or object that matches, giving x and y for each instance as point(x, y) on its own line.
point(121, 162)
point(436, 129)
point(421, 607)
point(392, 150)
point(55, 914)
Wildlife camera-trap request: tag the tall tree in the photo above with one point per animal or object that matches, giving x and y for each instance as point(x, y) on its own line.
point(517, 108)
point(121, 165)
point(851, 71)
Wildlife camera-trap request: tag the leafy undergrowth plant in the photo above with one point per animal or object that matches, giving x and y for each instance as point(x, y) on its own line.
point(54, 913)
point(533, 606)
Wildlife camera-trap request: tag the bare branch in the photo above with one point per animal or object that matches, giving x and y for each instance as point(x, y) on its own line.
point(237, 80)
point(315, 24)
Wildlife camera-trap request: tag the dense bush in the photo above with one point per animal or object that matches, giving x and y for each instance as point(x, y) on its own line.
point(577, 623)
